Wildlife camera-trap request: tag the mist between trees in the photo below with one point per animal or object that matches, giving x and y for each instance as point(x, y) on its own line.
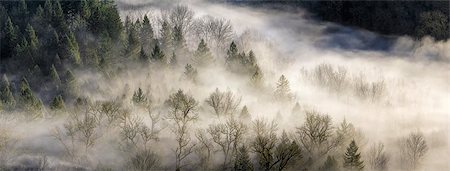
point(87, 85)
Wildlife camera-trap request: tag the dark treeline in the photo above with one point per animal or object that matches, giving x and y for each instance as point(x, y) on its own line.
point(413, 18)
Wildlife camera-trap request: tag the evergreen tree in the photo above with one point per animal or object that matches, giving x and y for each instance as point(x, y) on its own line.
point(32, 38)
point(352, 158)
point(158, 55)
point(178, 38)
point(132, 46)
point(55, 76)
point(143, 57)
point(71, 49)
point(85, 11)
point(166, 36)
point(330, 165)
point(10, 40)
point(139, 98)
point(283, 91)
point(6, 96)
point(242, 161)
point(147, 36)
point(245, 115)
point(173, 60)
point(48, 10)
point(251, 59)
point(58, 17)
point(57, 103)
point(27, 99)
point(232, 53)
point(202, 56)
point(257, 78)
point(190, 72)
point(70, 84)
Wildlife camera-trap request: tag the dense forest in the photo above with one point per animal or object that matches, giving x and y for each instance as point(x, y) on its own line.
point(413, 18)
point(86, 86)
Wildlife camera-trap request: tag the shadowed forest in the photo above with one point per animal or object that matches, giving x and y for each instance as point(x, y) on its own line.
point(206, 85)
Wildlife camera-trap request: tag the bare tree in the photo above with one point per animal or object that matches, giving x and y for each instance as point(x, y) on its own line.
point(216, 31)
point(316, 135)
point(264, 143)
point(181, 16)
point(412, 150)
point(228, 136)
point(223, 103)
point(377, 157)
point(182, 113)
point(286, 152)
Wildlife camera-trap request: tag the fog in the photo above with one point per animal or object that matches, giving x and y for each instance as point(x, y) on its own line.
point(414, 75)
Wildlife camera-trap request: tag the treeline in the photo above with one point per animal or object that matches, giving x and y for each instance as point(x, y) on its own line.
point(413, 18)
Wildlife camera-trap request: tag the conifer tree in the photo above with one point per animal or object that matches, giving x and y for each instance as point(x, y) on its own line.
point(173, 60)
point(190, 72)
point(71, 49)
point(10, 40)
point(58, 17)
point(143, 57)
point(27, 98)
point(257, 78)
point(85, 11)
point(251, 59)
point(202, 56)
point(242, 161)
point(166, 36)
point(158, 55)
point(147, 35)
point(57, 103)
point(70, 83)
point(283, 91)
point(245, 115)
point(352, 158)
point(178, 38)
point(32, 38)
point(6, 96)
point(55, 76)
point(232, 53)
point(132, 46)
point(139, 98)
point(48, 10)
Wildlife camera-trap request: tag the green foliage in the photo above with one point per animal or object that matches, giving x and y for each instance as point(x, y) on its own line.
point(57, 103)
point(139, 98)
point(27, 99)
point(132, 46)
point(158, 55)
point(6, 97)
point(352, 158)
point(54, 75)
point(203, 56)
point(147, 35)
point(166, 36)
point(71, 49)
point(242, 161)
point(434, 24)
point(70, 84)
point(143, 57)
point(10, 40)
point(32, 38)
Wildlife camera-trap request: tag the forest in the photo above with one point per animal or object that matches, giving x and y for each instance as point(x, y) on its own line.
point(131, 85)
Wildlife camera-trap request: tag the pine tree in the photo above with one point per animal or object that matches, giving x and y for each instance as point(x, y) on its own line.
point(55, 76)
point(6, 96)
point(166, 36)
point(283, 91)
point(147, 35)
point(352, 158)
point(257, 78)
point(330, 165)
point(10, 40)
point(71, 49)
point(139, 98)
point(32, 38)
point(245, 115)
point(27, 99)
point(242, 161)
point(70, 84)
point(132, 46)
point(142, 56)
point(232, 53)
point(58, 17)
point(178, 38)
point(48, 10)
point(173, 60)
point(158, 55)
point(202, 56)
point(57, 103)
point(190, 72)
point(85, 11)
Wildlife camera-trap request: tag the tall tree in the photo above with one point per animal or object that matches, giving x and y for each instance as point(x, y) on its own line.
point(158, 55)
point(71, 50)
point(27, 98)
point(190, 72)
point(256, 80)
point(55, 76)
point(166, 36)
point(283, 91)
point(57, 103)
point(242, 161)
point(330, 165)
point(352, 158)
point(232, 53)
point(147, 35)
point(6, 96)
point(10, 40)
point(202, 56)
point(132, 46)
point(139, 98)
point(143, 56)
